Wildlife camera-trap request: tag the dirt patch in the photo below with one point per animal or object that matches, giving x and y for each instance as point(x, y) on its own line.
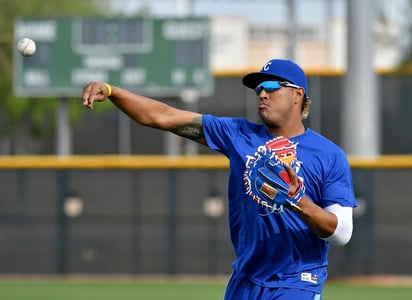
point(381, 280)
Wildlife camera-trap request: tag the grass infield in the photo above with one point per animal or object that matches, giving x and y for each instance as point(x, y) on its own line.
point(43, 289)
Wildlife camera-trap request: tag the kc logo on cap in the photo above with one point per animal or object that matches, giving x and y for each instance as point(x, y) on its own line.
point(266, 66)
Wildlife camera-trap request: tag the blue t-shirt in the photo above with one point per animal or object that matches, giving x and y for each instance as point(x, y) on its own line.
point(279, 250)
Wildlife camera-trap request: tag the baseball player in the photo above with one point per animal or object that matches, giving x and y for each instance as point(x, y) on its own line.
point(290, 189)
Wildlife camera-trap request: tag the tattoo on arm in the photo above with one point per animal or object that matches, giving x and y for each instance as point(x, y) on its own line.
point(192, 130)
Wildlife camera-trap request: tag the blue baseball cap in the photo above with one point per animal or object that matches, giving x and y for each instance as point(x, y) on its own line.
point(278, 69)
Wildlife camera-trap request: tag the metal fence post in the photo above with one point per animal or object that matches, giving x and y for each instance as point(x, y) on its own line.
point(172, 228)
point(62, 237)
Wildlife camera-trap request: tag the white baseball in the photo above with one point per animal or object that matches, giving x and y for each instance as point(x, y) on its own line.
point(26, 47)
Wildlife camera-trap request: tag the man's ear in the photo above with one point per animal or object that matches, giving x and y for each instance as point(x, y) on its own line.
point(301, 94)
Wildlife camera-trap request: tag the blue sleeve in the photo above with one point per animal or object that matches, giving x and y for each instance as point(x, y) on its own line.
point(337, 185)
point(218, 132)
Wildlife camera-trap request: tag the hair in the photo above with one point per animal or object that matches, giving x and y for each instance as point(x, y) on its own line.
point(305, 107)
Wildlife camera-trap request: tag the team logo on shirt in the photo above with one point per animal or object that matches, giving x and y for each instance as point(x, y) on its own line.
point(284, 150)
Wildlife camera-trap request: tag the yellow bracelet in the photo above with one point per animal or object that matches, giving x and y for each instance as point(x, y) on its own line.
point(109, 89)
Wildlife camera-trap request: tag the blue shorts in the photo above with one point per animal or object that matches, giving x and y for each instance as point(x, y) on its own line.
point(244, 289)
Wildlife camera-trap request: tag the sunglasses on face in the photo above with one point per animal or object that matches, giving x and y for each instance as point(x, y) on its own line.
point(271, 86)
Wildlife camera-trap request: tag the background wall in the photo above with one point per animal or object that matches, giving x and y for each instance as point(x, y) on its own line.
point(154, 221)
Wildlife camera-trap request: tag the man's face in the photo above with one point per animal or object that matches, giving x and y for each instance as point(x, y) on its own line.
point(279, 107)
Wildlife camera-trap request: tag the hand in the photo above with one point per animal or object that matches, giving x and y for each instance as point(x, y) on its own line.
point(296, 188)
point(94, 92)
point(294, 184)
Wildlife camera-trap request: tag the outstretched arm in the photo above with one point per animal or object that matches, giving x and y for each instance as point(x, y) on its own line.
point(147, 111)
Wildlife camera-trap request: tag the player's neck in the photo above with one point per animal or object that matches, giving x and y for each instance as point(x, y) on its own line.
point(288, 131)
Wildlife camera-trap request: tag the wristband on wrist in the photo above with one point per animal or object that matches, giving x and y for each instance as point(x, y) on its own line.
point(297, 196)
point(109, 89)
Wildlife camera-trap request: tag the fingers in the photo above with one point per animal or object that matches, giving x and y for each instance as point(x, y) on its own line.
point(292, 174)
point(92, 92)
point(294, 181)
point(86, 99)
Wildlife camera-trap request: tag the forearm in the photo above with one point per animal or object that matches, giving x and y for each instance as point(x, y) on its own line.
point(146, 111)
point(320, 221)
point(333, 223)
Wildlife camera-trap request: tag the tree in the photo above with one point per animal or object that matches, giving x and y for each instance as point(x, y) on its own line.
point(23, 118)
point(406, 63)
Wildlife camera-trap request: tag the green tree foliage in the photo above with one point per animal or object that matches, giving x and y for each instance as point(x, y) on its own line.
point(406, 63)
point(32, 117)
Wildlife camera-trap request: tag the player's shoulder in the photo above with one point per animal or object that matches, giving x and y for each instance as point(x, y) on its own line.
point(239, 122)
point(320, 140)
point(224, 118)
point(320, 146)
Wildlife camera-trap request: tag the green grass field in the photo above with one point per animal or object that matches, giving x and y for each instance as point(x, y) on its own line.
point(111, 290)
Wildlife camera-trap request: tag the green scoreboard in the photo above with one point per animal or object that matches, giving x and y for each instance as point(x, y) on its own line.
point(151, 56)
